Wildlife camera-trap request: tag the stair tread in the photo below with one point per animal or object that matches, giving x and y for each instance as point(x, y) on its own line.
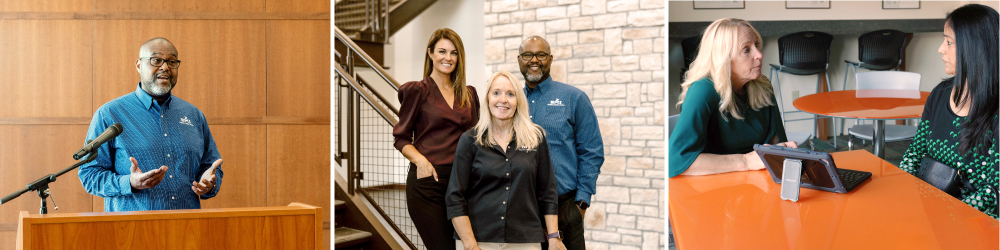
point(344, 235)
point(353, 11)
point(339, 204)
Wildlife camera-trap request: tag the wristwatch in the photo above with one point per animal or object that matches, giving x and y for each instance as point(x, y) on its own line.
point(557, 235)
point(583, 204)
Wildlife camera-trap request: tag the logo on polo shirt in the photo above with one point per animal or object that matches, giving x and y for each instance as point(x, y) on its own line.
point(186, 121)
point(555, 102)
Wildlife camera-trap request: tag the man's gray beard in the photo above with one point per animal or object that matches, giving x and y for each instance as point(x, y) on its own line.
point(533, 78)
point(156, 90)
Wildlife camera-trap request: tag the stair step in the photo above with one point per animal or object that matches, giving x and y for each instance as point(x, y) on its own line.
point(356, 11)
point(345, 237)
point(339, 204)
point(351, 19)
point(352, 5)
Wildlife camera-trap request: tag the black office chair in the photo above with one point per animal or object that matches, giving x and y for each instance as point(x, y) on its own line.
point(878, 51)
point(690, 48)
point(802, 53)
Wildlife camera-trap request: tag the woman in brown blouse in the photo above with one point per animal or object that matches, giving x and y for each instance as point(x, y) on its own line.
point(433, 114)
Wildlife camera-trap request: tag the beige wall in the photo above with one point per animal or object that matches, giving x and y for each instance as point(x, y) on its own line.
point(261, 78)
point(683, 11)
point(405, 53)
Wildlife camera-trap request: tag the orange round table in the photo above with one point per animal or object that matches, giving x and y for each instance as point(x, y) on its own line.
point(874, 104)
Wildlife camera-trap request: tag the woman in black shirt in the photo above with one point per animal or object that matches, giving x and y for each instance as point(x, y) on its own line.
point(959, 123)
point(502, 181)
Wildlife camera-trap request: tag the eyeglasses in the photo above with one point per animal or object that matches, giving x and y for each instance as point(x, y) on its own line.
point(157, 62)
point(526, 56)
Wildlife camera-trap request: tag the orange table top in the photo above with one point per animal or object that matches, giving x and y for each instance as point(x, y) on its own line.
point(892, 210)
point(866, 104)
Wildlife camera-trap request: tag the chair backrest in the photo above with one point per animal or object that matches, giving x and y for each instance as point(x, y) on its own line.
point(671, 121)
point(881, 48)
point(690, 48)
point(897, 80)
point(808, 50)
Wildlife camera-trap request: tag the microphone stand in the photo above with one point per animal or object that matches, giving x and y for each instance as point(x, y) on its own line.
point(42, 185)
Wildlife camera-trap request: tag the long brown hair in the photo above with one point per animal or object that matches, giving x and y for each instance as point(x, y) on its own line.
point(457, 76)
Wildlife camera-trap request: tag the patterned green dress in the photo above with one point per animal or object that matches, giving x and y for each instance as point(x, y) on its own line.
point(938, 135)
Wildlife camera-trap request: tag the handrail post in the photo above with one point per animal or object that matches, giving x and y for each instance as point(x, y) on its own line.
point(356, 144)
point(351, 151)
point(385, 23)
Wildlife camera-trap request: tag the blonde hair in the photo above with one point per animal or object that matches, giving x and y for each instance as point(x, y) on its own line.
point(714, 61)
point(457, 76)
point(528, 134)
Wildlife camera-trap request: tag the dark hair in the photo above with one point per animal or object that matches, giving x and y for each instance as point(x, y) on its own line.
point(976, 48)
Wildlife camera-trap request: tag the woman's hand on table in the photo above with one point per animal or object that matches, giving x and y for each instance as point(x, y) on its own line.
point(753, 161)
point(788, 144)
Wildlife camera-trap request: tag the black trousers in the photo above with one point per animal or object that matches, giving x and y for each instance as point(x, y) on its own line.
point(425, 202)
point(570, 223)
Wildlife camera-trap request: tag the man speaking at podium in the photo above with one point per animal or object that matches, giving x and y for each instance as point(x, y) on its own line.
point(165, 157)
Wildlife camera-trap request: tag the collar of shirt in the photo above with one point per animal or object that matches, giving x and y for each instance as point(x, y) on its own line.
point(542, 86)
point(148, 101)
point(510, 145)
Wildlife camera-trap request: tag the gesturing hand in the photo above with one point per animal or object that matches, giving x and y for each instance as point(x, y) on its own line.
point(207, 182)
point(140, 180)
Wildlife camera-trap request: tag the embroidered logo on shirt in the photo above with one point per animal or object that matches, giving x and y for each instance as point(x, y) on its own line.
point(186, 121)
point(526, 149)
point(555, 102)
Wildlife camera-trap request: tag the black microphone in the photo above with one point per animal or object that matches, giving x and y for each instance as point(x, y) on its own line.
point(92, 145)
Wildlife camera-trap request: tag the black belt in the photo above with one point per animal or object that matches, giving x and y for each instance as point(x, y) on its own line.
point(571, 195)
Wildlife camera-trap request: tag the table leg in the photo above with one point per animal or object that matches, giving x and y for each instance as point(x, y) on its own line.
point(879, 139)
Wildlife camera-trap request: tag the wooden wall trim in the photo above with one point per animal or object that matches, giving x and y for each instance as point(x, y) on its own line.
point(13, 226)
point(269, 120)
point(45, 120)
point(211, 120)
point(164, 16)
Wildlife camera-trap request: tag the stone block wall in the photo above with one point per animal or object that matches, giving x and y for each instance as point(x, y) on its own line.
point(614, 52)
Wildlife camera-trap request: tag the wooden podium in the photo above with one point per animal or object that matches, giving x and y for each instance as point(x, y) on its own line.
point(297, 226)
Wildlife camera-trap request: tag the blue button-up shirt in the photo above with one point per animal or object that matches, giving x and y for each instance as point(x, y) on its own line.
point(172, 134)
point(575, 143)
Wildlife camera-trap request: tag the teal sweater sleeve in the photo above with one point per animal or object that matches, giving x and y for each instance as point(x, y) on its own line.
point(776, 122)
point(687, 139)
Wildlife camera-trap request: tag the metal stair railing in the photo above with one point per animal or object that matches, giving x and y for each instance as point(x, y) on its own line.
point(372, 24)
point(364, 122)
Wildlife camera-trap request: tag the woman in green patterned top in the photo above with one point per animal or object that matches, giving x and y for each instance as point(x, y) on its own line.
point(959, 123)
point(726, 105)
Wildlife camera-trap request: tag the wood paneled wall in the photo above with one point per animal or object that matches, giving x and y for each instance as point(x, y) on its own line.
point(258, 69)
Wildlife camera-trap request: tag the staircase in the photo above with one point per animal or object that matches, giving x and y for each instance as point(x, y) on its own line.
point(371, 173)
point(359, 19)
point(345, 237)
point(370, 23)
